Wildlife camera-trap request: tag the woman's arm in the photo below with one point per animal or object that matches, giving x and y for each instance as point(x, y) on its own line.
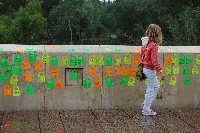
point(154, 58)
point(142, 51)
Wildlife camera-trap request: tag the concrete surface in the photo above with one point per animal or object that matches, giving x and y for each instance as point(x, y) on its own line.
point(74, 96)
point(101, 121)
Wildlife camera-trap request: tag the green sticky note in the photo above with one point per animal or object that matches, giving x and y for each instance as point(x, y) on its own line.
point(108, 49)
point(186, 69)
point(198, 59)
point(74, 75)
point(32, 56)
point(41, 77)
point(131, 81)
point(109, 61)
point(87, 83)
point(2, 77)
point(64, 61)
point(92, 60)
point(1, 50)
point(17, 70)
point(30, 89)
point(16, 91)
point(50, 84)
point(4, 62)
point(175, 69)
point(161, 82)
point(172, 81)
point(124, 81)
point(188, 59)
point(127, 59)
point(9, 72)
point(71, 50)
point(182, 59)
point(175, 60)
point(54, 61)
point(168, 70)
point(109, 82)
point(86, 50)
point(18, 59)
point(81, 60)
point(118, 50)
point(45, 58)
point(13, 80)
point(195, 70)
point(100, 60)
point(187, 81)
point(73, 61)
point(29, 50)
point(118, 60)
point(185, 59)
point(170, 50)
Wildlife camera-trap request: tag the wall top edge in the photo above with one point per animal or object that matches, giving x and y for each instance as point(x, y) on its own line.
point(95, 48)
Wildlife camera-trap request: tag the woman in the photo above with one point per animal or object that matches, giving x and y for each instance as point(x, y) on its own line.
point(149, 54)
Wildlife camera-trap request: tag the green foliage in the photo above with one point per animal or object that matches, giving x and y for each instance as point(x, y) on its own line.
point(5, 22)
point(10, 6)
point(66, 20)
point(98, 22)
point(184, 27)
point(27, 25)
point(47, 6)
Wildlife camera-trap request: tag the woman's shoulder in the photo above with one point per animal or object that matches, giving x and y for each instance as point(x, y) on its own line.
point(152, 44)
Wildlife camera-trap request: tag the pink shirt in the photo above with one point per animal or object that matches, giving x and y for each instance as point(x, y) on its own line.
point(150, 54)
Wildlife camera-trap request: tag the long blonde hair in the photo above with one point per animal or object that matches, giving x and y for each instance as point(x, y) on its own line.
point(154, 33)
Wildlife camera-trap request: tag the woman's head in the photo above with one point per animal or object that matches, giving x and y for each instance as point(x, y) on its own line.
point(154, 33)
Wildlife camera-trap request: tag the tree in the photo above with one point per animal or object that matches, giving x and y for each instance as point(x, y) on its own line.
point(98, 21)
point(132, 17)
point(29, 23)
point(8, 7)
point(184, 28)
point(172, 15)
point(47, 6)
point(5, 22)
point(95, 11)
point(65, 20)
point(26, 27)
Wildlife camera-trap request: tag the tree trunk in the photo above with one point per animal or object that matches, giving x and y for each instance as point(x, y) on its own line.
point(70, 28)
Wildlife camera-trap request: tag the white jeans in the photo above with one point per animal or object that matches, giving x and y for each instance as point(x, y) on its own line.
point(153, 87)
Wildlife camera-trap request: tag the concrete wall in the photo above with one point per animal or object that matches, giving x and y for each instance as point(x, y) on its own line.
point(75, 96)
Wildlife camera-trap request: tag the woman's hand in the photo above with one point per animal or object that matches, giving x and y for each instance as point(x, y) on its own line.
point(162, 76)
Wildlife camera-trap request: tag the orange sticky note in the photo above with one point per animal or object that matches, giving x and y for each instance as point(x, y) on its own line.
point(54, 72)
point(28, 77)
point(133, 71)
point(93, 71)
point(59, 84)
point(168, 60)
point(18, 50)
point(108, 72)
point(26, 64)
point(136, 58)
point(38, 65)
point(52, 47)
point(97, 82)
point(118, 70)
point(7, 91)
point(126, 70)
